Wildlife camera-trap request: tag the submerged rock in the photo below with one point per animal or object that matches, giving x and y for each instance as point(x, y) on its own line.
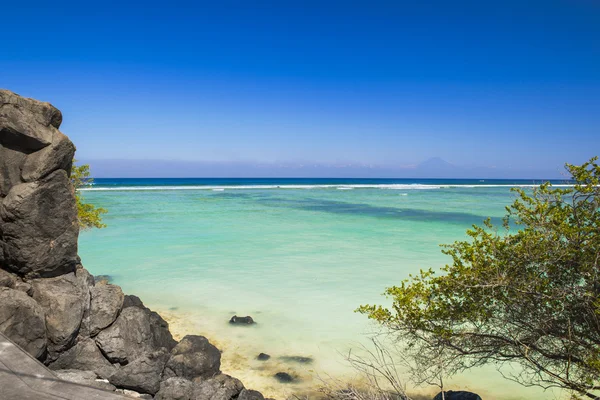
point(235, 320)
point(283, 377)
point(458, 395)
point(297, 359)
point(263, 357)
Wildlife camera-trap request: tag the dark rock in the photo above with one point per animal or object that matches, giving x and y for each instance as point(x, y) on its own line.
point(142, 374)
point(86, 356)
point(26, 126)
point(132, 301)
point(263, 357)
point(458, 395)
point(22, 320)
point(135, 332)
point(106, 304)
point(235, 320)
point(63, 301)
point(29, 122)
point(175, 389)
point(10, 171)
point(283, 377)
point(40, 228)
point(297, 359)
point(58, 155)
point(193, 357)
point(221, 387)
point(7, 279)
point(250, 395)
point(88, 378)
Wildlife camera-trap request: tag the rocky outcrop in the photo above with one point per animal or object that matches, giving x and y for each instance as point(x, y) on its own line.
point(136, 331)
point(193, 357)
point(85, 355)
point(63, 299)
point(22, 320)
point(142, 374)
point(106, 304)
point(88, 332)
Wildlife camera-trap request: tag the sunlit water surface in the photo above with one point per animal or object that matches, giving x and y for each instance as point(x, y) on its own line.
point(299, 256)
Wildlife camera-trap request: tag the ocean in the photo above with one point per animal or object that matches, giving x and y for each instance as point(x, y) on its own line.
point(298, 255)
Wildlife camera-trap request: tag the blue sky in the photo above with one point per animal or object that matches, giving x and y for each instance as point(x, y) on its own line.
point(511, 85)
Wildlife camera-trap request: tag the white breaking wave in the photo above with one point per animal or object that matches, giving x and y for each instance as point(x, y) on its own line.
point(391, 186)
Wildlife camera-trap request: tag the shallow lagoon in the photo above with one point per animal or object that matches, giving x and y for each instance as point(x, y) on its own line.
point(299, 259)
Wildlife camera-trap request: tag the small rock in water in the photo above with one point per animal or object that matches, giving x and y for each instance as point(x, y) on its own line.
point(283, 377)
point(263, 357)
point(241, 320)
point(296, 359)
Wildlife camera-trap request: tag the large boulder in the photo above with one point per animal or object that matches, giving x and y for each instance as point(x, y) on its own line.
point(221, 387)
point(26, 127)
point(22, 320)
point(86, 356)
point(63, 300)
point(175, 389)
point(135, 332)
point(27, 123)
point(38, 221)
point(142, 374)
point(106, 304)
point(58, 155)
point(194, 356)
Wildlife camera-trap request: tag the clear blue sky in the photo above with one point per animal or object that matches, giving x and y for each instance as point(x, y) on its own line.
point(506, 84)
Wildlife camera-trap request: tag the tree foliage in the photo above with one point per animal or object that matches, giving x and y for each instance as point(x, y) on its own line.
point(89, 215)
point(526, 293)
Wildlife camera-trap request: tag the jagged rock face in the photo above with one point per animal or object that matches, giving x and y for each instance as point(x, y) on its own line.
point(22, 320)
point(135, 332)
point(63, 300)
point(38, 216)
point(86, 356)
point(142, 374)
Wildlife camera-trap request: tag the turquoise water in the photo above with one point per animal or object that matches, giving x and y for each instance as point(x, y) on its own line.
point(297, 255)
